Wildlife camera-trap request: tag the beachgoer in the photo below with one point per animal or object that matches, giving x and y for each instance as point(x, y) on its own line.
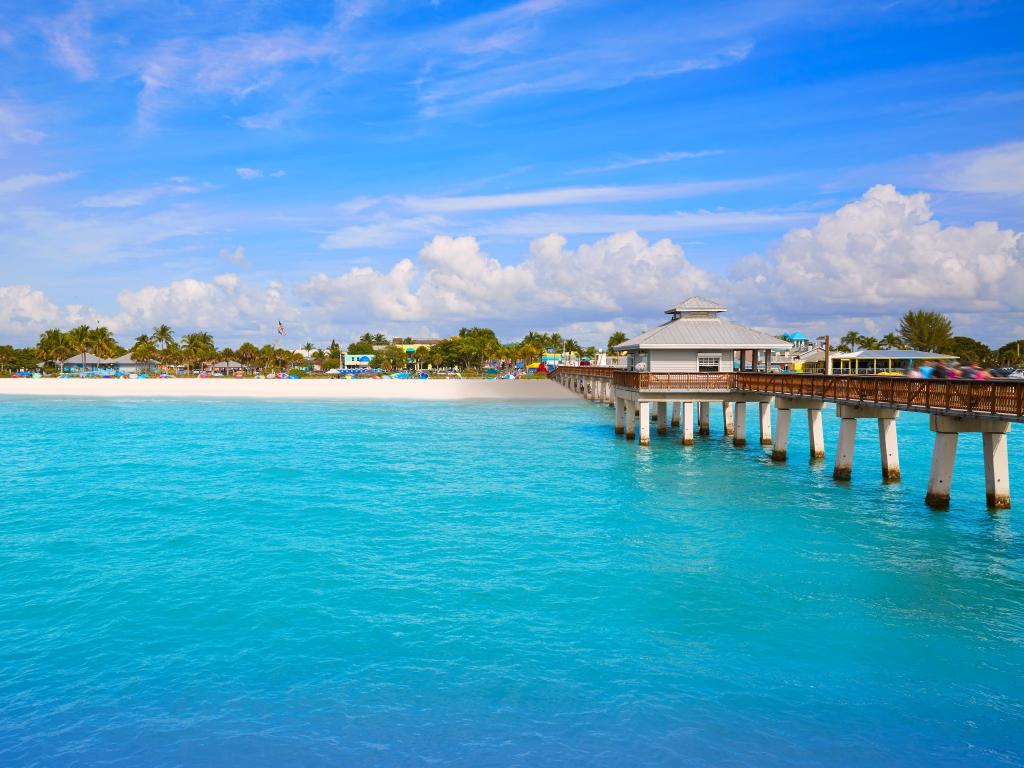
point(915, 373)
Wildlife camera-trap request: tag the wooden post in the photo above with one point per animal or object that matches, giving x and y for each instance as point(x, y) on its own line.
point(783, 416)
point(645, 423)
point(997, 470)
point(844, 451)
point(704, 422)
point(889, 449)
point(676, 407)
point(739, 436)
point(815, 434)
point(766, 423)
point(943, 458)
point(662, 417)
point(727, 417)
point(620, 412)
point(687, 423)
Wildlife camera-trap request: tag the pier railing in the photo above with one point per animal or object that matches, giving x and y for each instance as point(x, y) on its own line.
point(682, 381)
point(993, 398)
point(982, 398)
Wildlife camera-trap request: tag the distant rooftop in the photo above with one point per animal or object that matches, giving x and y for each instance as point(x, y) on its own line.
point(696, 324)
point(695, 304)
point(891, 354)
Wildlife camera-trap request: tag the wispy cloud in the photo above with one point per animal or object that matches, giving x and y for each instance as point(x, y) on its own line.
point(27, 181)
point(15, 125)
point(69, 36)
point(563, 196)
point(249, 173)
point(129, 198)
point(636, 162)
point(234, 255)
point(997, 170)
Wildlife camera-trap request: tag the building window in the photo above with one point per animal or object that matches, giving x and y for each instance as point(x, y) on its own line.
point(708, 363)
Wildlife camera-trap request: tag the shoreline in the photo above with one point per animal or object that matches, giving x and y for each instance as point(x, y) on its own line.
point(295, 389)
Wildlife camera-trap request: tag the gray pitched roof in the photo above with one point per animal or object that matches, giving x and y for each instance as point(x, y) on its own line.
point(90, 359)
point(703, 333)
point(695, 304)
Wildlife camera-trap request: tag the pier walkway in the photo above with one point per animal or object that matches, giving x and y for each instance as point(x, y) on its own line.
point(954, 407)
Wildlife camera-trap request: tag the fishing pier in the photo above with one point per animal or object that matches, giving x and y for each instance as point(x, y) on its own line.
point(684, 398)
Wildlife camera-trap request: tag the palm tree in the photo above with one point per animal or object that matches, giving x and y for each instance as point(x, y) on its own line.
point(198, 347)
point(925, 330)
point(892, 341)
point(162, 336)
point(380, 338)
point(614, 340)
point(103, 342)
point(851, 339)
point(144, 351)
point(869, 342)
point(53, 346)
point(80, 341)
point(247, 354)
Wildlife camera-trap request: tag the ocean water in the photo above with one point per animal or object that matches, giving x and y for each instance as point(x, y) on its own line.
point(211, 583)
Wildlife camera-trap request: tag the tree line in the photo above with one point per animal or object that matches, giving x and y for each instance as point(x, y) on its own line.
point(933, 332)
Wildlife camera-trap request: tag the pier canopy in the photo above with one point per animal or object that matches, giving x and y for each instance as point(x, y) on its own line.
point(697, 339)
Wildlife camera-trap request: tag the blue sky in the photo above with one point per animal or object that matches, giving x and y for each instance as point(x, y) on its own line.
point(411, 167)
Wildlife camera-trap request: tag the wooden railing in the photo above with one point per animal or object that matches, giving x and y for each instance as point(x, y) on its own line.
point(982, 398)
point(684, 381)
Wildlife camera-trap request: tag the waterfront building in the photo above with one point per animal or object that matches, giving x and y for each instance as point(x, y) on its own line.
point(697, 339)
point(123, 364)
point(356, 362)
point(887, 361)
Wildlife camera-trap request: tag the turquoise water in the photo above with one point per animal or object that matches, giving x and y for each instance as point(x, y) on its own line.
point(469, 584)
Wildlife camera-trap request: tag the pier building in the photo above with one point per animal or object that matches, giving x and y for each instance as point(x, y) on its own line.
point(675, 372)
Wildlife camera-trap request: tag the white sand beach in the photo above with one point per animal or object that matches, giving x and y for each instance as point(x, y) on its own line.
point(358, 389)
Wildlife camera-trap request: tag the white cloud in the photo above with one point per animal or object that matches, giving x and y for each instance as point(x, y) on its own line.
point(249, 173)
point(15, 125)
point(223, 305)
point(129, 198)
point(636, 162)
point(885, 253)
point(278, 174)
point(27, 181)
point(69, 36)
point(25, 310)
point(997, 170)
point(454, 280)
point(234, 255)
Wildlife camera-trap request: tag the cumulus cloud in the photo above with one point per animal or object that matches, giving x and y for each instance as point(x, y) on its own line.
point(886, 252)
point(25, 310)
point(223, 305)
point(454, 279)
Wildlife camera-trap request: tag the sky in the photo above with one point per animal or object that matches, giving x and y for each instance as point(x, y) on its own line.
point(414, 166)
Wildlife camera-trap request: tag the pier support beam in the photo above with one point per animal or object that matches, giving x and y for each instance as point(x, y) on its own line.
point(889, 450)
point(704, 422)
point(783, 417)
point(766, 423)
point(662, 417)
point(943, 458)
point(687, 423)
point(947, 430)
point(727, 417)
point(645, 423)
point(630, 420)
point(739, 436)
point(997, 471)
point(815, 434)
point(620, 414)
point(676, 407)
point(844, 451)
